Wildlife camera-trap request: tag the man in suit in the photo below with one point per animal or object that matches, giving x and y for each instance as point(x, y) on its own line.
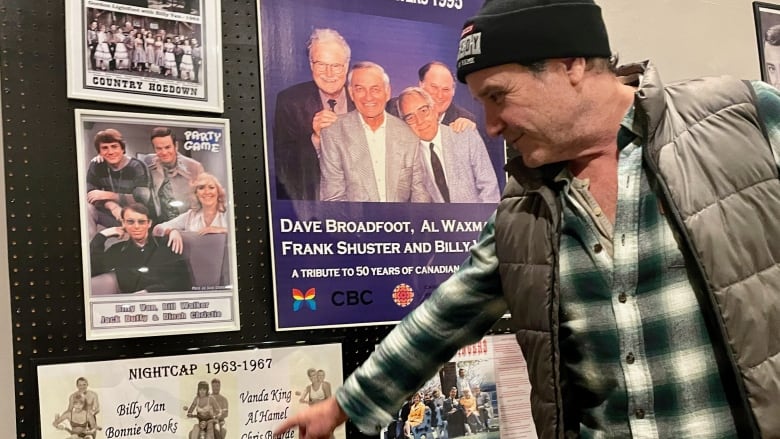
point(457, 166)
point(367, 154)
point(303, 110)
point(171, 175)
point(437, 80)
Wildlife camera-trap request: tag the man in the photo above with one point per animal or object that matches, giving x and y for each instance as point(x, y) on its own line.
point(608, 243)
point(113, 180)
point(216, 386)
point(172, 175)
point(129, 41)
point(142, 263)
point(457, 166)
point(772, 55)
point(368, 155)
point(197, 58)
point(90, 398)
point(92, 42)
point(454, 417)
point(484, 406)
point(437, 80)
point(178, 54)
point(462, 382)
point(303, 110)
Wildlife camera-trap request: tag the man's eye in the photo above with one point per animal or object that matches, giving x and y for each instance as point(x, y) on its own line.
point(496, 97)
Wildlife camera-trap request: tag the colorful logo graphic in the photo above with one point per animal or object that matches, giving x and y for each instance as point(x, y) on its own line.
point(403, 295)
point(301, 298)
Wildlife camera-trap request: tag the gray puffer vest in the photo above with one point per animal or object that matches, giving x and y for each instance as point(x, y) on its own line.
point(708, 159)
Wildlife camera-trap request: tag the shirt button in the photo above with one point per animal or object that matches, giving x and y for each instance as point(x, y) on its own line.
point(597, 248)
point(622, 297)
point(597, 211)
point(640, 414)
point(630, 358)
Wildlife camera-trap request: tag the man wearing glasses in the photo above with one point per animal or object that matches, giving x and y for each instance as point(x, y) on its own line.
point(303, 110)
point(141, 262)
point(437, 80)
point(457, 166)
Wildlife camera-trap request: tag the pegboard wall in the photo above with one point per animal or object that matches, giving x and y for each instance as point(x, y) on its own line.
point(44, 248)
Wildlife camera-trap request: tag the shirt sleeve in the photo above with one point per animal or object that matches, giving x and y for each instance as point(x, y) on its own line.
point(769, 110)
point(458, 313)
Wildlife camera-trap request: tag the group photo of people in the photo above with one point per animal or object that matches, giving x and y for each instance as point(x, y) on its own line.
point(353, 122)
point(139, 45)
point(155, 213)
point(461, 400)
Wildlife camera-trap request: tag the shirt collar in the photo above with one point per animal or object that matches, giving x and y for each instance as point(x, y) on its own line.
point(368, 128)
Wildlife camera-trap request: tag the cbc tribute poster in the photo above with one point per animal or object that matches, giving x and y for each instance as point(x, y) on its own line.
point(362, 236)
point(238, 394)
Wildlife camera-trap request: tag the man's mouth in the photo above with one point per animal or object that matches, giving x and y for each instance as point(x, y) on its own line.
point(520, 136)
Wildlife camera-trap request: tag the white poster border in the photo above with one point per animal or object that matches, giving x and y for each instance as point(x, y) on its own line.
point(88, 83)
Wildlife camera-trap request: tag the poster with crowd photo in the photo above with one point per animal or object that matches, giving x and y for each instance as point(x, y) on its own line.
point(157, 53)
point(157, 226)
point(482, 392)
point(345, 252)
point(239, 394)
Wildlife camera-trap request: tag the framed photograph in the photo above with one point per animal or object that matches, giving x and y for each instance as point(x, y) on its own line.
point(767, 17)
point(156, 53)
point(243, 392)
point(157, 226)
point(356, 237)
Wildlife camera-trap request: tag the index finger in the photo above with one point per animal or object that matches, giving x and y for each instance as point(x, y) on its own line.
point(288, 424)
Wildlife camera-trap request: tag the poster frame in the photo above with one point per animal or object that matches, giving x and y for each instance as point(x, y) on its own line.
point(224, 294)
point(145, 88)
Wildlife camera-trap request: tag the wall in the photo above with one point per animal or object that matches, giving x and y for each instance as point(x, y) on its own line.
point(684, 38)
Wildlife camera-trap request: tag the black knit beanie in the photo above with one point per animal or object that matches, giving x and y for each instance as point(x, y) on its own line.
point(524, 31)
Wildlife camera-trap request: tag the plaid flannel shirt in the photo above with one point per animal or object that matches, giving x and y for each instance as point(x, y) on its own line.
point(671, 388)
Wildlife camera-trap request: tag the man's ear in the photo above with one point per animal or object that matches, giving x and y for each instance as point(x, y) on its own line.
point(575, 69)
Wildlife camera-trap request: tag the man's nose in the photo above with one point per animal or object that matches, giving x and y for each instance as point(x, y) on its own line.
point(494, 125)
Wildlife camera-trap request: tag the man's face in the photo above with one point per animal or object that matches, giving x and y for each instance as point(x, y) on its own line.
point(136, 225)
point(328, 63)
point(111, 152)
point(93, 25)
point(369, 92)
point(215, 387)
point(534, 112)
point(439, 84)
point(422, 119)
point(461, 373)
point(772, 64)
point(453, 392)
point(165, 149)
point(82, 385)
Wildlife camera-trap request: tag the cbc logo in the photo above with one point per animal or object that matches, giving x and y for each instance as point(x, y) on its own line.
point(351, 298)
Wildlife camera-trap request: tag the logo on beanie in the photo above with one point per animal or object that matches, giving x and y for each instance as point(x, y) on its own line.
point(470, 45)
point(467, 29)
